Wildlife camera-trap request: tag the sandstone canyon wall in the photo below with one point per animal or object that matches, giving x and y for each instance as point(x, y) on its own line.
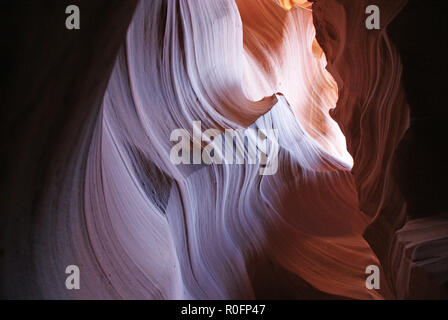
point(353, 116)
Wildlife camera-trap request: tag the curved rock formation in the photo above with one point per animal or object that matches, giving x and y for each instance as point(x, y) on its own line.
point(98, 188)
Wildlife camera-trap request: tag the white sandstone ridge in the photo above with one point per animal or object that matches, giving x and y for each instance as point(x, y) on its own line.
point(230, 147)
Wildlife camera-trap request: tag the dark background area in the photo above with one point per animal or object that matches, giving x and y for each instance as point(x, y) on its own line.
point(420, 32)
point(53, 82)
